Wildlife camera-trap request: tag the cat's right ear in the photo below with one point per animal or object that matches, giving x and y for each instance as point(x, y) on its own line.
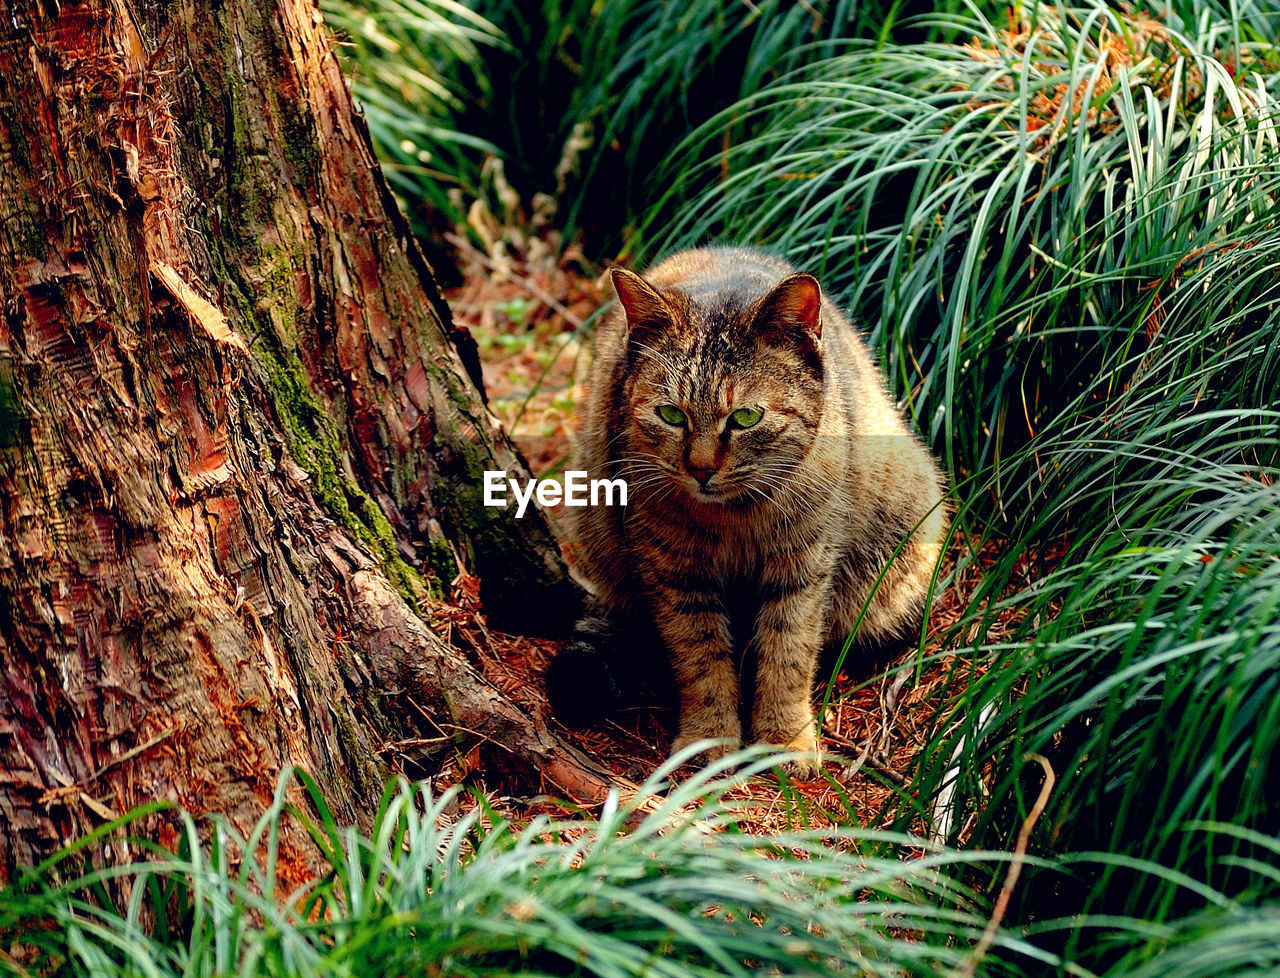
point(646, 312)
point(793, 310)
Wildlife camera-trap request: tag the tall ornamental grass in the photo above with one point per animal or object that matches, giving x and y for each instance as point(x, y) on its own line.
point(1062, 232)
point(677, 890)
point(1144, 660)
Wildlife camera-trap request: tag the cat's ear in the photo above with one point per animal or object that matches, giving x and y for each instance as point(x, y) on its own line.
point(646, 311)
point(792, 311)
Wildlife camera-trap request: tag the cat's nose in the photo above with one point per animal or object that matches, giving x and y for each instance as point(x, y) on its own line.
point(700, 459)
point(700, 472)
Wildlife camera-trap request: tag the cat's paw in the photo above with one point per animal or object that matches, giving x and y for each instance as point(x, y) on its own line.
point(802, 768)
point(806, 767)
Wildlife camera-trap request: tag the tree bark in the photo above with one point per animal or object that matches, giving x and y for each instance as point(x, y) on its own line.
point(239, 447)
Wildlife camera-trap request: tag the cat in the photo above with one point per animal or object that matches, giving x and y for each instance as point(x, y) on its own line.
point(770, 478)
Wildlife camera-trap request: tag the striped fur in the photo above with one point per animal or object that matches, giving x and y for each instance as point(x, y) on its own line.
point(793, 518)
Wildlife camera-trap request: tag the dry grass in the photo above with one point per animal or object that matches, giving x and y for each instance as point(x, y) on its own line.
point(1038, 48)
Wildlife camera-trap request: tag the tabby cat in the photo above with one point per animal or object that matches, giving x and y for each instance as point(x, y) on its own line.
point(771, 483)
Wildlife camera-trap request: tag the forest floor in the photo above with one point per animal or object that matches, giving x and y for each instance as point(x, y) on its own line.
point(532, 320)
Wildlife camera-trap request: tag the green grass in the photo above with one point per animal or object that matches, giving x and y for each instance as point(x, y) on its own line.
point(1079, 299)
point(677, 891)
point(1147, 661)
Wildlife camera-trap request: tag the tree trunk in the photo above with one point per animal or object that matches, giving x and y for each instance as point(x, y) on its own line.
point(238, 445)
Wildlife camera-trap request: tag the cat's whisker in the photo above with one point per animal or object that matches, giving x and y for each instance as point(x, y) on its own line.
point(643, 487)
point(644, 457)
point(786, 516)
point(792, 477)
point(638, 478)
point(783, 509)
point(659, 357)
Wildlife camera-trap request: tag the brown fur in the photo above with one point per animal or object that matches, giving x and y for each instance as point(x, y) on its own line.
point(800, 512)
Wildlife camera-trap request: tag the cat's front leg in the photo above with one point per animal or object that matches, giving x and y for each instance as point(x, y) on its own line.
point(788, 639)
point(694, 625)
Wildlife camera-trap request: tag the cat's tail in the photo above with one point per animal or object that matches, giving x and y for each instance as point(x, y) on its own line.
point(587, 680)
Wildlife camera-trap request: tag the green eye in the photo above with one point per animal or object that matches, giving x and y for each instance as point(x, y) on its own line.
point(745, 417)
point(671, 414)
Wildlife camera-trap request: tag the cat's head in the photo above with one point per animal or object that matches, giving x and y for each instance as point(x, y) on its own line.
point(724, 392)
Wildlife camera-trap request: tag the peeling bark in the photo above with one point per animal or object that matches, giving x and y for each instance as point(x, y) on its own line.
point(237, 443)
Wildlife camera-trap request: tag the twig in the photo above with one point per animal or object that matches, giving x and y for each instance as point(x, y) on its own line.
point(867, 755)
point(402, 745)
point(133, 752)
point(980, 949)
point(863, 757)
point(881, 765)
point(532, 288)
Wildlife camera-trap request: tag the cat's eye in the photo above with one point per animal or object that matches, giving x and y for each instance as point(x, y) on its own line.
point(671, 414)
point(745, 417)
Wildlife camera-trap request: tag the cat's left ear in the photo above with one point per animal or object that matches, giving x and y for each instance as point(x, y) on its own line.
point(793, 310)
